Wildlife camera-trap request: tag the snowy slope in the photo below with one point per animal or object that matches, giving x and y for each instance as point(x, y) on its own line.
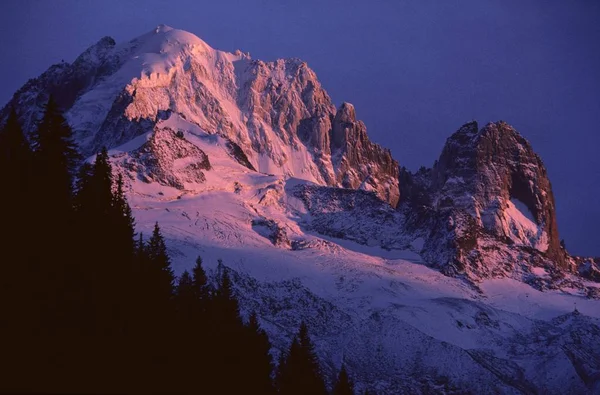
point(398, 324)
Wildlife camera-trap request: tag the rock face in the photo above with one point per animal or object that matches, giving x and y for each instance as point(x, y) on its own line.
point(495, 175)
point(486, 202)
point(65, 81)
point(276, 113)
point(358, 162)
point(169, 159)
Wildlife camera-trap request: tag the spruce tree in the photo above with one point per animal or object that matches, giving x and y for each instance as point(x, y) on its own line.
point(343, 384)
point(257, 374)
point(200, 283)
point(55, 163)
point(15, 200)
point(159, 266)
point(186, 302)
point(302, 373)
point(124, 223)
point(140, 253)
point(157, 313)
point(124, 269)
point(15, 162)
point(54, 277)
point(227, 331)
point(55, 159)
point(189, 353)
point(281, 372)
point(225, 301)
point(157, 281)
point(103, 229)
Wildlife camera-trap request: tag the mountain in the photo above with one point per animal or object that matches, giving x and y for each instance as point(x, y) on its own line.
point(451, 279)
point(277, 113)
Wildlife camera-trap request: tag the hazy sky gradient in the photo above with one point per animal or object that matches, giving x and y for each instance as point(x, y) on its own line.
point(415, 70)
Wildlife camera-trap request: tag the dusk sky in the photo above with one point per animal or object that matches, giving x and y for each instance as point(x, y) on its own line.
point(415, 70)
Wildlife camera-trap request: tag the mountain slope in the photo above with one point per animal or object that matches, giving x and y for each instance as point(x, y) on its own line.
point(336, 259)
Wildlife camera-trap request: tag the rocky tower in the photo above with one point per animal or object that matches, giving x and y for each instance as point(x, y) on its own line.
point(494, 177)
point(275, 113)
point(358, 162)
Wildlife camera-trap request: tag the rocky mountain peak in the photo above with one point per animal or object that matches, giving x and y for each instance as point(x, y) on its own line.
point(488, 185)
point(510, 193)
point(276, 113)
point(96, 52)
point(358, 162)
point(346, 113)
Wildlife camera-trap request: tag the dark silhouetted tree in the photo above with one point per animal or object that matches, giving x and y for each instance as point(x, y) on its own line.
point(259, 365)
point(301, 373)
point(54, 164)
point(160, 273)
point(227, 332)
point(343, 384)
point(56, 161)
point(16, 200)
point(200, 283)
point(186, 302)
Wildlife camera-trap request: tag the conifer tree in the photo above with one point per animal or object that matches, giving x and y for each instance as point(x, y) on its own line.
point(124, 221)
point(187, 346)
point(15, 161)
point(55, 162)
point(343, 384)
point(186, 302)
point(15, 166)
point(157, 313)
point(157, 281)
point(227, 332)
point(225, 301)
point(82, 187)
point(200, 283)
point(15, 200)
point(280, 372)
point(123, 249)
point(52, 275)
point(302, 373)
point(140, 252)
point(107, 269)
point(55, 159)
point(257, 374)
point(102, 184)
point(159, 265)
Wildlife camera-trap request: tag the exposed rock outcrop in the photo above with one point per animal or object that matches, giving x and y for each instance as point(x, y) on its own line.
point(495, 175)
point(486, 207)
point(64, 81)
point(358, 162)
point(169, 159)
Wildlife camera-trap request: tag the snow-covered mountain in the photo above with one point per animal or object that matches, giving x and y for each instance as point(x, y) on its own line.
point(277, 113)
point(451, 279)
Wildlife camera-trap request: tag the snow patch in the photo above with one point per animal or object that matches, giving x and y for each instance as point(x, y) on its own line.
point(522, 227)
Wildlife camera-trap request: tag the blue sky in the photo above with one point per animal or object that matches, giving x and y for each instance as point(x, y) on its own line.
point(415, 70)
